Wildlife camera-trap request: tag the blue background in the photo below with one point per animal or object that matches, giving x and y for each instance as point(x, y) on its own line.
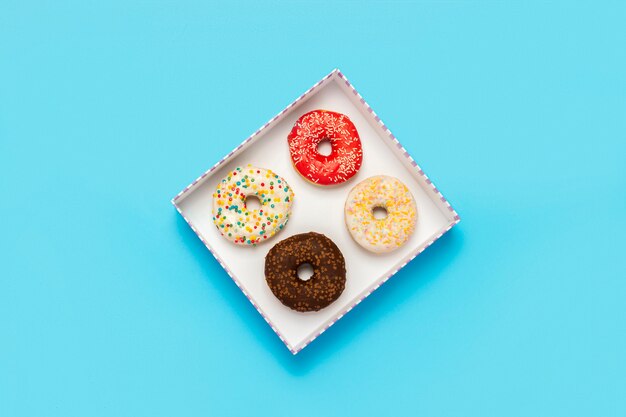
point(110, 306)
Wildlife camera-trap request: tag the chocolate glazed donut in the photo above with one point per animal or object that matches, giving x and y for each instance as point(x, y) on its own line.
point(329, 271)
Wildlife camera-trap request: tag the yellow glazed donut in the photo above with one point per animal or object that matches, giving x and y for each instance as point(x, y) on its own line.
point(380, 235)
point(249, 227)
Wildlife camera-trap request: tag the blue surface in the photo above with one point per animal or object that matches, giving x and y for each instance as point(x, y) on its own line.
point(110, 306)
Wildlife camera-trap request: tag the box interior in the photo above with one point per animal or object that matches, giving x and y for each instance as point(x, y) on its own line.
point(317, 209)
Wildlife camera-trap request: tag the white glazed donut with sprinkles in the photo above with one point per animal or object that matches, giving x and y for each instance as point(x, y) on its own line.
point(380, 235)
point(249, 227)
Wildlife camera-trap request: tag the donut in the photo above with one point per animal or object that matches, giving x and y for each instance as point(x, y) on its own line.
point(329, 271)
point(249, 227)
point(380, 235)
point(345, 158)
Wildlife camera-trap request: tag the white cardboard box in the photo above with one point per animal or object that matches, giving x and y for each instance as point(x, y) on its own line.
point(317, 209)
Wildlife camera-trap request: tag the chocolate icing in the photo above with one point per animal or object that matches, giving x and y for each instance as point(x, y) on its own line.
point(329, 271)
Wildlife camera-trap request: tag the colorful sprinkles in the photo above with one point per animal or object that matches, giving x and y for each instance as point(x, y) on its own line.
point(232, 217)
point(387, 234)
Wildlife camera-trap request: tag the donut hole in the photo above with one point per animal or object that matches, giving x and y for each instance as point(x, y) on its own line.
point(305, 271)
point(379, 213)
point(325, 147)
point(253, 203)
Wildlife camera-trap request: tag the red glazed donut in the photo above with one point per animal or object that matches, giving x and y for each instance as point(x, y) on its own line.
point(345, 158)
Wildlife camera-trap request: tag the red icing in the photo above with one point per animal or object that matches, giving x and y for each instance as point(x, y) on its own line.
point(345, 158)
